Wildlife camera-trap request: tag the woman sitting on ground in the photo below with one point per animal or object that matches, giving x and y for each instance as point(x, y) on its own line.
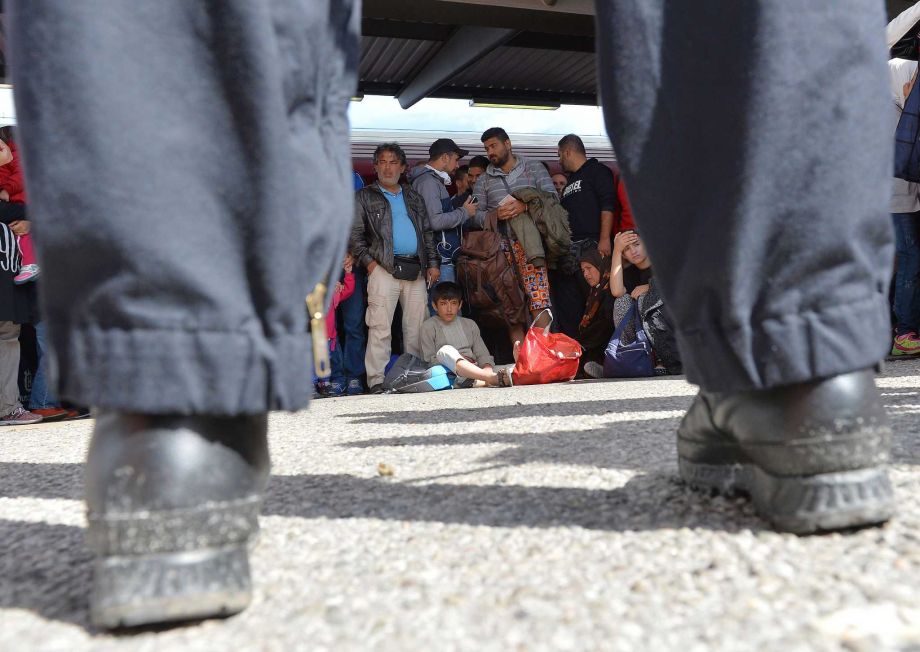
point(631, 281)
point(596, 325)
point(630, 278)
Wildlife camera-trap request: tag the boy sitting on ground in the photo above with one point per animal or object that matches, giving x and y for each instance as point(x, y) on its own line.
point(454, 341)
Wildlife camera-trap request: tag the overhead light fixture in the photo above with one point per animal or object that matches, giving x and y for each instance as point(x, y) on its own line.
point(513, 104)
point(357, 98)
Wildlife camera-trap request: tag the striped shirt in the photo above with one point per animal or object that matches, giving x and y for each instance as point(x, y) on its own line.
point(490, 190)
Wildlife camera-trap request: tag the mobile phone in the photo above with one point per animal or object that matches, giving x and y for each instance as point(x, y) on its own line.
point(475, 200)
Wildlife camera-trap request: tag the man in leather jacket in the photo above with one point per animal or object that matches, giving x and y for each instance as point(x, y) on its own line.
point(392, 238)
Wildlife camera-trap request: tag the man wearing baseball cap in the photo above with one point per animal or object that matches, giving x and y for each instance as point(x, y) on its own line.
point(446, 221)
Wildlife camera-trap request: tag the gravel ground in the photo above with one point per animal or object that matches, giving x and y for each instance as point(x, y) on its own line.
point(540, 518)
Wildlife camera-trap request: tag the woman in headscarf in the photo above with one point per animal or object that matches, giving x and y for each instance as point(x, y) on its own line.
point(596, 325)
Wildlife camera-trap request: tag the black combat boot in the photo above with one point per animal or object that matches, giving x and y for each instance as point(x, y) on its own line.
point(172, 504)
point(811, 456)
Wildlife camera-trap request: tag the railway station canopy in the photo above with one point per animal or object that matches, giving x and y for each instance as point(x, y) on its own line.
point(516, 52)
point(519, 52)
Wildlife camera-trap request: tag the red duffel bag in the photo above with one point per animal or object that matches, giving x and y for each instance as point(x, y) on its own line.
point(546, 357)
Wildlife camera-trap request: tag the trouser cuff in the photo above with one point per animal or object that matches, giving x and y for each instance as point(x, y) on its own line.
point(790, 349)
point(174, 372)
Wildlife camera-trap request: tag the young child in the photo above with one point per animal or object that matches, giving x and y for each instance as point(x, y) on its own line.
point(454, 341)
point(12, 190)
point(335, 386)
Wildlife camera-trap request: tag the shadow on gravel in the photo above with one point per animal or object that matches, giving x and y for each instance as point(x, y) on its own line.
point(647, 502)
point(899, 368)
point(641, 445)
point(45, 569)
point(569, 409)
point(41, 480)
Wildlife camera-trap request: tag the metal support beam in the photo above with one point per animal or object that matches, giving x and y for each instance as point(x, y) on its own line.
point(526, 15)
point(468, 44)
point(584, 7)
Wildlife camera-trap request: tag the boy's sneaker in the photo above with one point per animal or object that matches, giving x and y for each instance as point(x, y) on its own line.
point(907, 344)
point(594, 369)
point(52, 413)
point(26, 273)
point(19, 417)
point(464, 383)
point(334, 389)
point(355, 388)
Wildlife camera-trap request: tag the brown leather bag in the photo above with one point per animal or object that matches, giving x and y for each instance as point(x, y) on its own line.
point(490, 284)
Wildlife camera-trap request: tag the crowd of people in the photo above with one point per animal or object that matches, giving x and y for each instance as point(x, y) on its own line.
point(26, 396)
point(570, 259)
point(401, 289)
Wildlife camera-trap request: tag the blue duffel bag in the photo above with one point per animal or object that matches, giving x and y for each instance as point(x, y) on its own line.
point(633, 360)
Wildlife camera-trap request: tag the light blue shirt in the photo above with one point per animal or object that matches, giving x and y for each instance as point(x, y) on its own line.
point(405, 239)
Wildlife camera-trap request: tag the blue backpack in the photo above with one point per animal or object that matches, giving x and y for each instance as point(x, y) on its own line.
point(906, 147)
point(632, 360)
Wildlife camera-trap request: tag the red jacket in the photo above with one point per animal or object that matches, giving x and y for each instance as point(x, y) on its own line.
point(623, 218)
point(337, 298)
point(11, 177)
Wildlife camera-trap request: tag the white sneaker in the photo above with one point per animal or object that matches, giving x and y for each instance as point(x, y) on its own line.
point(594, 369)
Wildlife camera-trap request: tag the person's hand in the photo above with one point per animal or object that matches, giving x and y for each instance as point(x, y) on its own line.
point(371, 266)
point(433, 275)
point(348, 265)
point(622, 240)
point(469, 206)
point(639, 291)
point(604, 247)
point(4, 195)
point(339, 287)
point(21, 227)
point(511, 209)
point(6, 154)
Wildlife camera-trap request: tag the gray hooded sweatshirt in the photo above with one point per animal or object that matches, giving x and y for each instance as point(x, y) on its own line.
point(430, 186)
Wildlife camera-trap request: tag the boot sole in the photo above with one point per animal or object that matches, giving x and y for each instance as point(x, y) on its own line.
point(138, 590)
point(801, 504)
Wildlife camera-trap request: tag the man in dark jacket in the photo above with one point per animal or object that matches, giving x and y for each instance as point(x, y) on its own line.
point(392, 238)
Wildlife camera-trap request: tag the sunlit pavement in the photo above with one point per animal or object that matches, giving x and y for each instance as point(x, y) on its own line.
point(533, 518)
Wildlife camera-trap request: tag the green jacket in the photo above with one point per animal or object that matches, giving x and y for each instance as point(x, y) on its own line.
point(546, 216)
point(528, 235)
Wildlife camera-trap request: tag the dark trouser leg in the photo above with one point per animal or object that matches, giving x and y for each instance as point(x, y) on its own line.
point(42, 396)
point(353, 339)
point(179, 306)
point(756, 145)
point(337, 374)
point(756, 142)
point(907, 277)
point(192, 306)
point(569, 291)
point(568, 303)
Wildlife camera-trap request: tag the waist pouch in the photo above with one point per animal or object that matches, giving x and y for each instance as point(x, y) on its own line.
point(406, 268)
